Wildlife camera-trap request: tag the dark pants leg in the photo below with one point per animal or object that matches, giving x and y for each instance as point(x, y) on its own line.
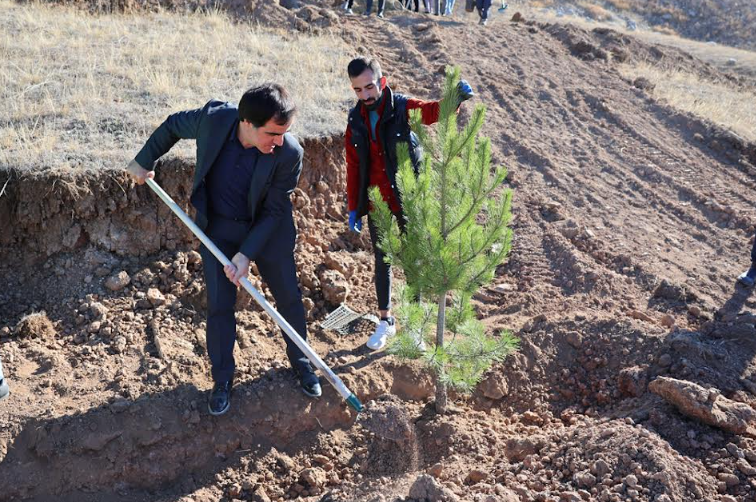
point(278, 269)
point(368, 5)
point(483, 7)
point(381, 5)
point(221, 298)
point(382, 269)
point(753, 252)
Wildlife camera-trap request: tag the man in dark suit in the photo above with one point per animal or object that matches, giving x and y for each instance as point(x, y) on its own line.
point(247, 166)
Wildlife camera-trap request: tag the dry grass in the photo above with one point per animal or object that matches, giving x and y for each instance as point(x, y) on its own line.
point(675, 14)
point(724, 105)
point(665, 30)
point(595, 12)
point(85, 92)
point(540, 4)
point(619, 5)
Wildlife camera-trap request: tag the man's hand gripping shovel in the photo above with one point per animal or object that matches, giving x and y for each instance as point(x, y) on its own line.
point(350, 398)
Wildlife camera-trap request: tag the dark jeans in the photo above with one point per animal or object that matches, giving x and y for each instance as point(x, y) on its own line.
point(278, 270)
point(483, 7)
point(369, 6)
point(753, 253)
point(382, 269)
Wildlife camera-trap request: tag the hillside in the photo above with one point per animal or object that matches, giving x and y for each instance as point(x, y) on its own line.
point(720, 21)
point(635, 380)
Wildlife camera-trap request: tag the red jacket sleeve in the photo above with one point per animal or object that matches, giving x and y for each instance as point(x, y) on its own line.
point(430, 109)
point(353, 171)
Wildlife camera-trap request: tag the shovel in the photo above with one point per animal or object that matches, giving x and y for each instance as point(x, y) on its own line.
point(350, 398)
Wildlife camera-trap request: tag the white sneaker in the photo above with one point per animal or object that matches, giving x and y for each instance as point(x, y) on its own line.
point(381, 335)
point(4, 390)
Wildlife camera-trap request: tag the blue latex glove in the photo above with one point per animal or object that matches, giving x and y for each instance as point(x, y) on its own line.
point(465, 91)
point(355, 225)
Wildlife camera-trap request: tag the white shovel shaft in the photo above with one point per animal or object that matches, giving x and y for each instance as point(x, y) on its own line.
point(259, 298)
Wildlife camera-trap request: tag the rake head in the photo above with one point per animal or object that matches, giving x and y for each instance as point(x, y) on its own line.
point(344, 320)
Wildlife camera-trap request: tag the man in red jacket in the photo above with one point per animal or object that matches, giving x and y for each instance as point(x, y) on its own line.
point(377, 123)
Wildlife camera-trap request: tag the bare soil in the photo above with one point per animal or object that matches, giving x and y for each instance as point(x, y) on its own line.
point(635, 378)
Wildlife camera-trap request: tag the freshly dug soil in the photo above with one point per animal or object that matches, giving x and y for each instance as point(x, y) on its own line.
point(635, 378)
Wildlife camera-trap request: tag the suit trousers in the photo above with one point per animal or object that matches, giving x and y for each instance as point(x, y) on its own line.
point(278, 270)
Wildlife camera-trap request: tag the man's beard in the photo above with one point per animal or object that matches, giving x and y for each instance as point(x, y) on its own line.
point(374, 105)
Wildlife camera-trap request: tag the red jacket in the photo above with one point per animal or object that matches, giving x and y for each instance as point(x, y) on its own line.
point(378, 176)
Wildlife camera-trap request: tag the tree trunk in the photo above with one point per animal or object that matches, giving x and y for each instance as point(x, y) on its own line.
point(441, 396)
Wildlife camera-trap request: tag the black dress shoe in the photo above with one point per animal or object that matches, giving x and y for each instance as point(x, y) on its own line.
point(220, 398)
point(311, 385)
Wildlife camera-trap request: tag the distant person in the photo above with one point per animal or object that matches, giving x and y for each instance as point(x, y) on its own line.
point(247, 165)
point(484, 7)
point(376, 125)
point(4, 390)
point(748, 278)
point(369, 7)
point(347, 6)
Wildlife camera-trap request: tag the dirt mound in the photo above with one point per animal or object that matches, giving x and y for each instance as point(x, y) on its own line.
point(604, 44)
point(36, 325)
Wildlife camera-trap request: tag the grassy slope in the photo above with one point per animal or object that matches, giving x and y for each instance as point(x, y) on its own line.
point(84, 92)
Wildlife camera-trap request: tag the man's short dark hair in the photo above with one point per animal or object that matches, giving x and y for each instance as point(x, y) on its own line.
point(267, 101)
point(360, 64)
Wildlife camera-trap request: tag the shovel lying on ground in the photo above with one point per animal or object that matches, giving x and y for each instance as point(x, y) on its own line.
point(350, 398)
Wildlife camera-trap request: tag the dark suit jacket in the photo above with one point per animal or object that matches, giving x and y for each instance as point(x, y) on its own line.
point(276, 174)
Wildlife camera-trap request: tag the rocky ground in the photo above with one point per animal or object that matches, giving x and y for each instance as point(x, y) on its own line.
point(635, 378)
